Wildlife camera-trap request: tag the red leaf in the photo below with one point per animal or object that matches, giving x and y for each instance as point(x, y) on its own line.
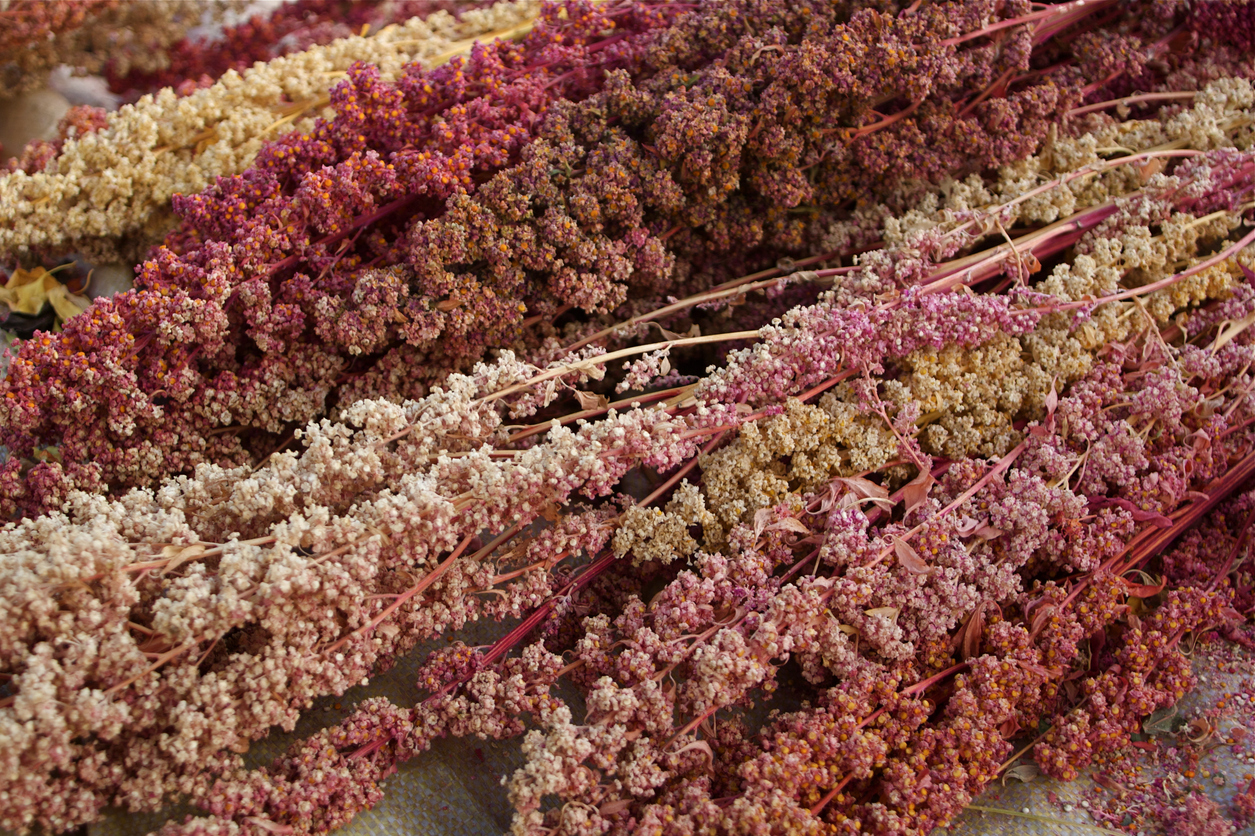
point(966, 526)
point(789, 524)
point(591, 400)
point(1041, 616)
point(616, 806)
point(761, 517)
point(910, 559)
point(1101, 779)
point(1142, 590)
point(1033, 667)
point(915, 491)
point(973, 631)
point(988, 532)
point(863, 490)
point(1158, 519)
point(864, 487)
point(1052, 402)
point(1138, 514)
point(701, 746)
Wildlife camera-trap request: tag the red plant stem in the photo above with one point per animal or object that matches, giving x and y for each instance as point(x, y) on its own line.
point(1152, 540)
point(1219, 490)
point(1095, 86)
point(550, 374)
point(683, 471)
point(827, 384)
point(883, 123)
point(663, 394)
point(1000, 82)
point(532, 320)
point(1223, 255)
point(648, 397)
point(744, 284)
point(831, 794)
point(1151, 52)
point(1087, 171)
point(1060, 16)
point(160, 660)
point(694, 723)
point(1245, 533)
point(427, 581)
point(509, 640)
point(356, 225)
point(763, 413)
point(590, 574)
point(1130, 100)
point(165, 561)
point(917, 688)
point(1043, 243)
point(547, 563)
point(1002, 464)
point(1236, 427)
point(924, 684)
point(1066, 18)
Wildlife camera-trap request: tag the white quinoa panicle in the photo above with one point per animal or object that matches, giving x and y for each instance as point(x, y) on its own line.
point(117, 183)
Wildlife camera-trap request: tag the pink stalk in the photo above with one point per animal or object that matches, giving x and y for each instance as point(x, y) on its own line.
point(883, 123)
point(1150, 53)
point(427, 581)
point(503, 645)
point(356, 225)
point(590, 574)
point(918, 688)
point(1223, 255)
point(831, 794)
point(1002, 464)
point(1131, 100)
point(161, 660)
point(744, 284)
point(648, 397)
point(1086, 171)
point(1043, 243)
point(1243, 536)
point(1044, 32)
point(1063, 15)
point(547, 563)
point(1152, 539)
point(1000, 82)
